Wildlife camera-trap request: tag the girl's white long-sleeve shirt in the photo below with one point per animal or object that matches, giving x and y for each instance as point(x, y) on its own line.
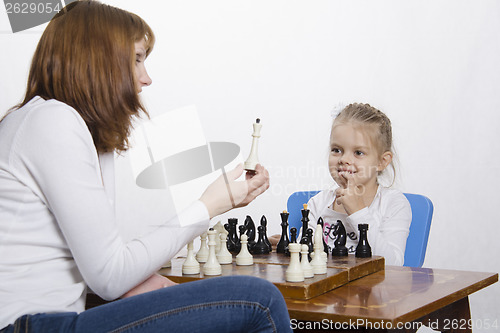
point(388, 217)
point(58, 231)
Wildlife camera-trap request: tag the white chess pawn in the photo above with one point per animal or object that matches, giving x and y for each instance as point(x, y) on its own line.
point(224, 256)
point(244, 258)
point(294, 271)
point(318, 262)
point(324, 256)
point(212, 266)
point(306, 266)
point(190, 266)
point(202, 254)
point(219, 228)
point(252, 159)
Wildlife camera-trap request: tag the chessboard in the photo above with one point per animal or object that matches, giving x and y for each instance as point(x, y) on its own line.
point(309, 261)
point(272, 267)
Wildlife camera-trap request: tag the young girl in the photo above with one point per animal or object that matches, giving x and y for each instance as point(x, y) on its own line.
point(360, 150)
point(58, 232)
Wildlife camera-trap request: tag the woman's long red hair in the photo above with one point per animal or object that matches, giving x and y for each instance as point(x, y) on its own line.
point(86, 59)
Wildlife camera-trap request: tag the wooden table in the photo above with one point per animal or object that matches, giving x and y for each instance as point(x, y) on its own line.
point(397, 297)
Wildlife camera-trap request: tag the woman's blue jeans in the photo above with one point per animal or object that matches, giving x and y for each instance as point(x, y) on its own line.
point(222, 304)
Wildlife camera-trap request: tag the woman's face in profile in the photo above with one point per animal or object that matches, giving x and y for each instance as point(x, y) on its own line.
point(142, 76)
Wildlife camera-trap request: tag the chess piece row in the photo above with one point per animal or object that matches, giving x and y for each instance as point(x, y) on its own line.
point(306, 237)
point(213, 258)
point(301, 269)
point(259, 246)
point(363, 250)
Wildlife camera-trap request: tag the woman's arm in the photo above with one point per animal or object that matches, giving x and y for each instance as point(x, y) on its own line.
point(58, 161)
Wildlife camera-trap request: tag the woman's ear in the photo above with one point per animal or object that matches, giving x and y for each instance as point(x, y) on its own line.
point(385, 160)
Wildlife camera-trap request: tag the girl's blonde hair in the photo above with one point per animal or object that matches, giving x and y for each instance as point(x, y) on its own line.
point(378, 124)
point(86, 59)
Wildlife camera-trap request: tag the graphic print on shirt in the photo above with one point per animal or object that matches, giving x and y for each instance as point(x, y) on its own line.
point(330, 236)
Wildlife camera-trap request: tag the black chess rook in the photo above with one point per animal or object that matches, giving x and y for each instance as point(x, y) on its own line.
point(232, 236)
point(363, 250)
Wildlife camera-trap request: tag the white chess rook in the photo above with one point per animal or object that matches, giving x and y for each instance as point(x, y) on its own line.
point(224, 256)
point(212, 266)
point(306, 266)
point(190, 266)
point(252, 159)
point(294, 271)
point(244, 258)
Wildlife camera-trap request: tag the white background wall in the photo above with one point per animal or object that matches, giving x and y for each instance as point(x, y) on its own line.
point(431, 66)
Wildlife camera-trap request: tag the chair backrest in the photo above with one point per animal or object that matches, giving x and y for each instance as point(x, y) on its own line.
point(421, 217)
point(416, 244)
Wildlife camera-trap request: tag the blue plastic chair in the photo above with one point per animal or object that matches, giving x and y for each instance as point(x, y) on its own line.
point(416, 244)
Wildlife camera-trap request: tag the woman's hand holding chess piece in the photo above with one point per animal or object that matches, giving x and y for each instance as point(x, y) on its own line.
point(226, 193)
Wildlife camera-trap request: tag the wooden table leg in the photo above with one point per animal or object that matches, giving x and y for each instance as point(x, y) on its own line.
point(453, 318)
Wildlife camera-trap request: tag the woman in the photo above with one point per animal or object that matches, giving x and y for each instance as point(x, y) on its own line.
point(58, 233)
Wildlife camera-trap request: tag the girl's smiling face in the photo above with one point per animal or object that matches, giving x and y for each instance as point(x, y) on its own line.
point(353, 155)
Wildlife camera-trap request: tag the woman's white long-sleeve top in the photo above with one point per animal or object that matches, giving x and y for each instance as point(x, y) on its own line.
point(58, 231)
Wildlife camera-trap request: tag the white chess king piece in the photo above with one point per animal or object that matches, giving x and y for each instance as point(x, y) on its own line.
point(212, 266)
point(318, 262)
point(190, 266)
point(202, 254)
point(244, 258)
point(294, 271)
point(306, 266)
point(224, 256)
point(252, 159)
point(219, 228)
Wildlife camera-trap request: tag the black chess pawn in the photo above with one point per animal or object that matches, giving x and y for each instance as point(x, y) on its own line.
point(322, 224)
point(260, 247)
point(237, 246)
point(293, 239)
point(263, 223)
point(340, 250)
point(363, 250)
point(293, 235)
point(308, 240)
point(232, 236)
point(284, 241)
point(305, 221)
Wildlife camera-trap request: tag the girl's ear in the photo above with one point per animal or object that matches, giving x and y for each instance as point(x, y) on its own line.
point(385, 160)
